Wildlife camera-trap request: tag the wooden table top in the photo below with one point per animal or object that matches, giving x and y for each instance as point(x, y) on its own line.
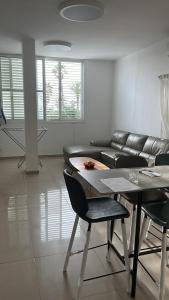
point(78, 164)
point(144, 182)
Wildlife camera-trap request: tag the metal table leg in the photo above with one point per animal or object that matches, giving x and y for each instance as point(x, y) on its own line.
point(136, 246)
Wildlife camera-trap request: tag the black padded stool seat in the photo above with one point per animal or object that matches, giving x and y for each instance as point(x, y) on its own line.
point(147, 196)
point(158, 212)
point(103, 209)
point(162, 159)
point(133, 161)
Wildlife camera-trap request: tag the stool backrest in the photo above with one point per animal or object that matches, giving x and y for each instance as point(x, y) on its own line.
point(76, 194)
point(131, 162)
point(162, 159)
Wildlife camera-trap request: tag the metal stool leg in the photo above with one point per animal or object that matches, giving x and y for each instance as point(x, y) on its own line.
point(148, 228)
point(117, 197)
point(163, 265)
point(71, 243)
point(143, 230)
point(132, 230)
point(126, 253)
point(167, 262)
point(84, 259)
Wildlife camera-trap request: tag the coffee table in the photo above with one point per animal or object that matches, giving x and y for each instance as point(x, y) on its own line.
point(78, 163)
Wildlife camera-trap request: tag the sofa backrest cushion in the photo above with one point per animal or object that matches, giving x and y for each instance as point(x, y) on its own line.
point(119, 138)
point(160, 146)
point(149, 145)
point(154, 146)
point(135, 143)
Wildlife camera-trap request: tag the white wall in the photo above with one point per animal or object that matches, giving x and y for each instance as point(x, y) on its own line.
point(97, 115)
point(136, 92)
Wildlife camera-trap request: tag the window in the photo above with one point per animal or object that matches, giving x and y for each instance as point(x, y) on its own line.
point(59, 89)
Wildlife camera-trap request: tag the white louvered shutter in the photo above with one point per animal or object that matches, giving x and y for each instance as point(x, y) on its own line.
point(71, 91)
point(52, 89)
point(5, 87)
point(12, 96)
point(39, 89)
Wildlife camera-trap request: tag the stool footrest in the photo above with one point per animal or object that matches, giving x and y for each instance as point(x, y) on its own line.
point(104, 275)
point(94, 247)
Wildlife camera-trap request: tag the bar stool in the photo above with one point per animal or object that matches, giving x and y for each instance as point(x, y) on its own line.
point(152, 196)
point(93, 210)
point(147, 196)
point(133, 161)
point(160, 160)
point(159, 214)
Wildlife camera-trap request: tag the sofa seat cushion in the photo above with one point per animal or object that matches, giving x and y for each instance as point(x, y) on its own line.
point(130, 151)
point(109, 157)
point(150, 158)
point(116, 146)
point(89, 151)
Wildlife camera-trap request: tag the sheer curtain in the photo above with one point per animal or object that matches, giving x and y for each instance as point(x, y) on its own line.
point(164, 103)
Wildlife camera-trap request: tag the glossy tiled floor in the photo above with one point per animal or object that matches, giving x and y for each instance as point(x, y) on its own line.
point(35, 226)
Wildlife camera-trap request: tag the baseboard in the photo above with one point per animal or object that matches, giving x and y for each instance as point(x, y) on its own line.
point(40, 156)
point(51, 155)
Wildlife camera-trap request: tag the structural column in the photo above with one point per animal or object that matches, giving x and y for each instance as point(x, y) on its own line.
point(29, 75)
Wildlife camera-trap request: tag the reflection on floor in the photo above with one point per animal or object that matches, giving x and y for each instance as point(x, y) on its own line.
point(36, 220)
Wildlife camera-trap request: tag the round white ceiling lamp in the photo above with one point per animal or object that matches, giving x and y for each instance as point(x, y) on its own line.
point(82, 10)
point(59, 45)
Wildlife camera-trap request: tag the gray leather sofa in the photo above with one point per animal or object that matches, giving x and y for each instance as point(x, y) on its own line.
point(122, 143)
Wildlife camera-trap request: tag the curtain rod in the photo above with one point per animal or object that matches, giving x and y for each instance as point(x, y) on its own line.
point(163, 76)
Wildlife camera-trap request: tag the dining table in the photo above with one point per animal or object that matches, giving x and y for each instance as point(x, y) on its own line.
point(146, 181)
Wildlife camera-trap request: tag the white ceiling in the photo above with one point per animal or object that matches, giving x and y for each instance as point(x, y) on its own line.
point(126, 26)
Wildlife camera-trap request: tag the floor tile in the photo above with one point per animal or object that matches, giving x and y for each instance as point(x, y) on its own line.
point(19, 281)
point(56, 284)
point(15, 235)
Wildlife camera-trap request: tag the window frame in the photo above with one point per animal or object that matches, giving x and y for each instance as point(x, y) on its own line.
point(43, 58)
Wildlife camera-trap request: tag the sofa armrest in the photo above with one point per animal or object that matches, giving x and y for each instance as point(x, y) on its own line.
point(100, 143)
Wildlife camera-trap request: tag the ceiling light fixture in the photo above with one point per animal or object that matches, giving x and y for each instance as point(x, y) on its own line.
point(82, 10)
point(59, 45)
